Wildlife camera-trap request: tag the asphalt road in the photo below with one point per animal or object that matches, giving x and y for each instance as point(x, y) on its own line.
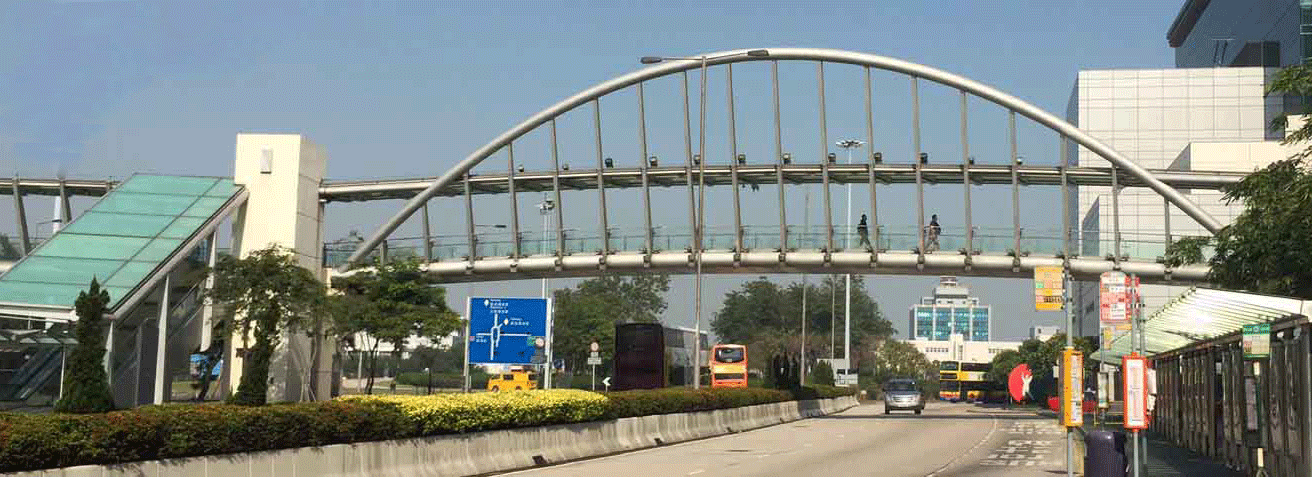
point(946, 440)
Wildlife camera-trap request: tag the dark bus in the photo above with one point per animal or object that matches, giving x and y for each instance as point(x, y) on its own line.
point(639, 356)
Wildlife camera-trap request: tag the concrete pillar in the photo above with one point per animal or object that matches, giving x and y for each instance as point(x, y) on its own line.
point(282, 172)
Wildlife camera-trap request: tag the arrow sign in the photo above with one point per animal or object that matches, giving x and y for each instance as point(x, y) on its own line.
point(606, 381)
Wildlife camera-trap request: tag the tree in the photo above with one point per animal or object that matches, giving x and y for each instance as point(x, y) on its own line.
point(767, 318)
point(897, 359)
point(390, 304)
point(7, 249)
point(1003, 363)
point(1041, 356)
point(264, 294)
point(822, 374)
point(86, 386)
point(589, 311)
point(1265, 249)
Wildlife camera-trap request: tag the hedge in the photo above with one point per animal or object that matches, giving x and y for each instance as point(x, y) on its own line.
point(43, 441)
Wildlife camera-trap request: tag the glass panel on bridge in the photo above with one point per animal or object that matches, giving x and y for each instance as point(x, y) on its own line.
point(119, 241)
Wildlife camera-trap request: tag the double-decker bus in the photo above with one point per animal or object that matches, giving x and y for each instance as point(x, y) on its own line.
point(729, 366)
point(963, 381)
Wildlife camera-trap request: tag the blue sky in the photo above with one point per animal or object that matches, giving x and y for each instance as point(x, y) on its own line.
point(106, 88)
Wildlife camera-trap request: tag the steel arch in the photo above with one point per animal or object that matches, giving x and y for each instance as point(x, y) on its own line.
point(945, 78)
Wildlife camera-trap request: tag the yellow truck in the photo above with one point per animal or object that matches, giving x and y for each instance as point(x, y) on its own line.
point(515, 380)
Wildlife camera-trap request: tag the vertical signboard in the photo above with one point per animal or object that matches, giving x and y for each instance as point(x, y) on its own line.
point(1136, 391)
point(1048, 289)
point(506, 330)
point(1114, 299)
point(1257, 340)
point(1072, 388)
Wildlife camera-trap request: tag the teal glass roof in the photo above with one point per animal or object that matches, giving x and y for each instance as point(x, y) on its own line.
point(119, 241)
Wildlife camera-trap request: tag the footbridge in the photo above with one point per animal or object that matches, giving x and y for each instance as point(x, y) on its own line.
point(977, 249)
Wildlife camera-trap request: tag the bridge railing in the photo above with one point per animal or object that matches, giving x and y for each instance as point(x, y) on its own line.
point(1044, 242)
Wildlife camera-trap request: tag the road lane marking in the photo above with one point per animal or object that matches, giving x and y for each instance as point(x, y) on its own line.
point(992, 428)
point(698, 471)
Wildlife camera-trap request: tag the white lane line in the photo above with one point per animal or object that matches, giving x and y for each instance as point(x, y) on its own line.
point(993, 428)
point(698, 471)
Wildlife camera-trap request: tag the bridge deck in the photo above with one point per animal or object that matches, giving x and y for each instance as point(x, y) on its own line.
point(721, 174)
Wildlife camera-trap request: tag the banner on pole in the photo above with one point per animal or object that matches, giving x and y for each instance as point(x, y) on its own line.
point(1113, 298)
point(1049, 289)
point(1072, 389)
point(1136, 391)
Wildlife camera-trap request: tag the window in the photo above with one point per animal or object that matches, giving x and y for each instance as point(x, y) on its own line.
point(729, 355)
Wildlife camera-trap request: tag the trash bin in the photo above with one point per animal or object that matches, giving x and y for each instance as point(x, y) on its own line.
point(1104, 454)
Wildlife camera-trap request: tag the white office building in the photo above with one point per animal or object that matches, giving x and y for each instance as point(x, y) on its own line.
point(1189, 118)
point(1044, 333)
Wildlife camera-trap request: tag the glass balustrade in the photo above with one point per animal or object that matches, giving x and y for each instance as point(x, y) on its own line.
point(1037, 242)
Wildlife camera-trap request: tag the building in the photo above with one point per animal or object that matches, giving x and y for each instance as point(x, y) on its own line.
point(1044, 333)
point(1209, 113)
point(957, 348)
point(1269, 33)
point(950, 311)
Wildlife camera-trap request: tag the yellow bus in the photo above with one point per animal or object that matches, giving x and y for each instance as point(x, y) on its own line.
point(729, 366)
point(960, 381)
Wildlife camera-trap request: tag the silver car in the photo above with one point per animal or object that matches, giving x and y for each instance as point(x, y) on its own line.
point(903, 395)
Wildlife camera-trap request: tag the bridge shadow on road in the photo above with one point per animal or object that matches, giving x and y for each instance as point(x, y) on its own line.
point(933, 415)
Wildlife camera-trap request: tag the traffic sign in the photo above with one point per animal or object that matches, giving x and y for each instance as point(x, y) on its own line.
point(594, 347)
point(1114, 298)
point(506, 330)
point(605, 381)
point(1136, 391)
point(559, 363)
point(1049, 289)
point(1257, 340)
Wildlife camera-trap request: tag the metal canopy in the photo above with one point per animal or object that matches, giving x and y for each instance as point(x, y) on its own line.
point(1201, 314)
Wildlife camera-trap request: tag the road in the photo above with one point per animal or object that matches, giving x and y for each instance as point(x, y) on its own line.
point(948, 440)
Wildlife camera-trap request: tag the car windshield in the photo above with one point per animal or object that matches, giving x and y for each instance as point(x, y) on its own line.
point(728, 355)
point(900, 386)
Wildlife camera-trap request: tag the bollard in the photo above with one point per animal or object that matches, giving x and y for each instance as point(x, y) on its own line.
point(1104, 454)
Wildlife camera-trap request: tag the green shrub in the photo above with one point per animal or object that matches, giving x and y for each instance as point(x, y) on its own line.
point(646, 402)
point(43, 441)
point(822, 374)
point(86, 383)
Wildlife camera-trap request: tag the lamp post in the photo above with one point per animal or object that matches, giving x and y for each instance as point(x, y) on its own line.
point(848, 145)
point(700, 228)
point(545, 207)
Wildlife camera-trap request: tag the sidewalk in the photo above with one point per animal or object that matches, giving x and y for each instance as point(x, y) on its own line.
point(1167, 459)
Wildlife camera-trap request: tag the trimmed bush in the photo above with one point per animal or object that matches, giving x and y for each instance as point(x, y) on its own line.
point(450, 413)
point(44, 441)
point(36, 441)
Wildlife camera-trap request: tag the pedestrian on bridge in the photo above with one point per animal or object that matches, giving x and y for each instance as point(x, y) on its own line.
point(863, 230)
point(931, 233)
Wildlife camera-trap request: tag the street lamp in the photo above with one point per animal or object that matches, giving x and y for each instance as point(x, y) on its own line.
point(848, 145)
point(699, 230)
point(545, 207)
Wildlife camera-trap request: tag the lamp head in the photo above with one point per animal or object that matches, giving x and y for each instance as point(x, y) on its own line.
point(650, 60)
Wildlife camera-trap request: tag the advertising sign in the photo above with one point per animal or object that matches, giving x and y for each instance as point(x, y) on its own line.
point(1048, 289)
point(1018, 382)
point(1072, 389)
point(1114, 298)
point(1257, 340)
point(1136, 391)
point(505, 330)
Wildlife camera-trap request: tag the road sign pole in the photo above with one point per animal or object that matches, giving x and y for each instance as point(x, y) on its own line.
point(550, 366)
point(465, 382)
point(594, 377)
point(1066, 306)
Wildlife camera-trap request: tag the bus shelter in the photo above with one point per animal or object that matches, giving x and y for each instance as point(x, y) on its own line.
point(1214, 399)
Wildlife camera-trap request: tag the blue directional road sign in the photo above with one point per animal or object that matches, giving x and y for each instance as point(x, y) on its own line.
point(502, 330)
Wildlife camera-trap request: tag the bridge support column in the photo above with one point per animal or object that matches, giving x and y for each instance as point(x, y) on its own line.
point(20, 213)
point(282, 172)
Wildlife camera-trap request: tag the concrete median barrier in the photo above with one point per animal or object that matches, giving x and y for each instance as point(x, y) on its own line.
point(474, 453)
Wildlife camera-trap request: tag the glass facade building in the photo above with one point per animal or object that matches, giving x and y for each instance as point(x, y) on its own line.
point(1270, 33)
point(950, 311)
